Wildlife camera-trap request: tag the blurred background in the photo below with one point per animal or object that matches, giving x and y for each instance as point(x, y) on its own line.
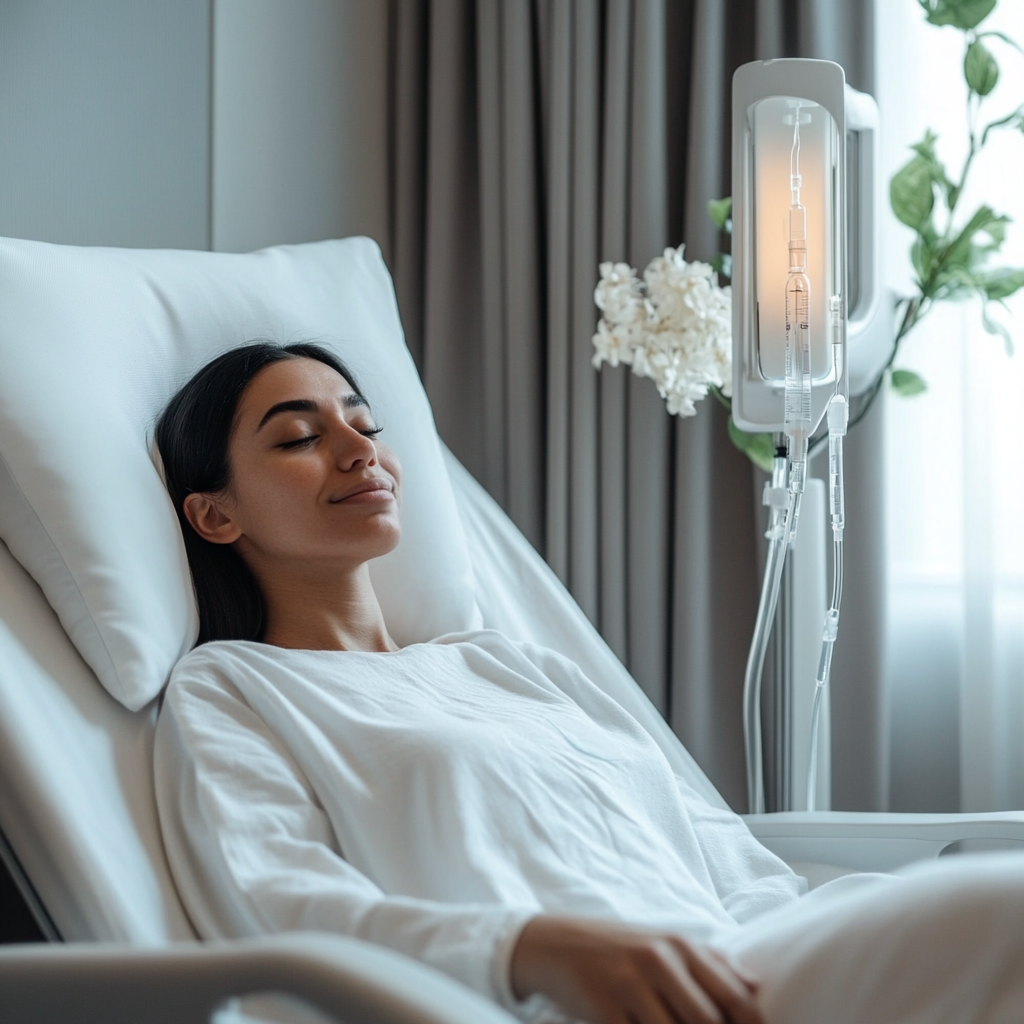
point(498, 150)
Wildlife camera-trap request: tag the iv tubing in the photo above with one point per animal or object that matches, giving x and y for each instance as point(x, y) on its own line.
point(790, 469)
point(838, 419)
point(779, 520)
point(824, 669)
point(797, 401)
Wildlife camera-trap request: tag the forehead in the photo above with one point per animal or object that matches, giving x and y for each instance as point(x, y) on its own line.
point(292, 379)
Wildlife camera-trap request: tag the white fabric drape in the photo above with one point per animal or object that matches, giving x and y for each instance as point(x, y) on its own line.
point(955, 459)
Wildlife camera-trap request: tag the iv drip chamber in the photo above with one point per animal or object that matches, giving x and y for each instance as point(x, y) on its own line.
point(788, 243)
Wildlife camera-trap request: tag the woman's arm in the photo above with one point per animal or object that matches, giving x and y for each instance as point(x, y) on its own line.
point(611, 973)
point(253, 852)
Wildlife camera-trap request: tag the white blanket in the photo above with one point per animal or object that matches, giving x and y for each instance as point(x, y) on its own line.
point(941, 942)
point(434, 799)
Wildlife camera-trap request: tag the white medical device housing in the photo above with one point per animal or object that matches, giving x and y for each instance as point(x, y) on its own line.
point(805, 284)
point(841, 243)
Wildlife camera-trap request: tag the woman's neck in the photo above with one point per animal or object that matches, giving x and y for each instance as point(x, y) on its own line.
point(324, 610)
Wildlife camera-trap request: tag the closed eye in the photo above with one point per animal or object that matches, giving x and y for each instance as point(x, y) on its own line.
point(299, 442)
point(305, 442)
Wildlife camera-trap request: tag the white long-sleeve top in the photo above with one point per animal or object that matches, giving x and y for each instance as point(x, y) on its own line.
point(433, 800)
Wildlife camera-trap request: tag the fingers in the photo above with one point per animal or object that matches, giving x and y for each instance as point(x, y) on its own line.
point(612, 973)
point(750, 980)
point(729, 986)
point(683, 1003)
point(679, 984)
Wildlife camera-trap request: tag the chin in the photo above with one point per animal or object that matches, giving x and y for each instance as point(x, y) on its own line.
point(383, 543)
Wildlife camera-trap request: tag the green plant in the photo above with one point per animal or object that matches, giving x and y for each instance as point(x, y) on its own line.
point(952, 258)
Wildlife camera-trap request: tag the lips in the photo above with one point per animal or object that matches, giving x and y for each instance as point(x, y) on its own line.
point(376, 489)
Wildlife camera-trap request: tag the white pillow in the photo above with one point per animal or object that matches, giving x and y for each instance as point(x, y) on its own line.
point(93, 343)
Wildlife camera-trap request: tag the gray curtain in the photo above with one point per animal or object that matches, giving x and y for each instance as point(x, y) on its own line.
point(531, 140)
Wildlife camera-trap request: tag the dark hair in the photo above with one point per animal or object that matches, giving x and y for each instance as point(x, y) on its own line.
point(193, 434)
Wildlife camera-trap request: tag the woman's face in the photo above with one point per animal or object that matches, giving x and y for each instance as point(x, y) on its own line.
point(309, 479)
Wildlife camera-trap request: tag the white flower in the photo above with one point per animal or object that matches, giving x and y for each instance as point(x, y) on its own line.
point(674, 327)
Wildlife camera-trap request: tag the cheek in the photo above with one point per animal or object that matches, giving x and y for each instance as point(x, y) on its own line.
point(389, 463)
point(266, 496)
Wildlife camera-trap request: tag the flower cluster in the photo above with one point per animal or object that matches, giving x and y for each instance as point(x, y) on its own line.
point(673, 327)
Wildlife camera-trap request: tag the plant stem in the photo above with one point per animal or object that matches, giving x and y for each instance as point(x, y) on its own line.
point(953, 197)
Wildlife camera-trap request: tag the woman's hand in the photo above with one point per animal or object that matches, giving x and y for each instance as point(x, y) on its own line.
point(610, 973)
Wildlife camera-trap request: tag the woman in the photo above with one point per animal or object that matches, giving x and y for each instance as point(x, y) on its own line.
point(472, 802)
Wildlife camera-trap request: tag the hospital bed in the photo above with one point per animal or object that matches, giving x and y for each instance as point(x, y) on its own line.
point(81, 838)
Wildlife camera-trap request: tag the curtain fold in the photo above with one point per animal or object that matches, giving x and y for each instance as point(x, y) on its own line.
point(534, 139)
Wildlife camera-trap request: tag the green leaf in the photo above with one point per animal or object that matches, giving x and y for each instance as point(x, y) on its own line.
point(996, 231)
point(1002, 283)
point(722, 264)
point(719, 210)
point(926, 149)
point(957, 269)
point(971, 243)
point(995, 327)
point(957, 286)
point(759, 448)
point(953, 286)
point(911, 194)
point(1005, 38)
point(962, 14)
point(922, 256)
point(906, 383)
point(980, 68)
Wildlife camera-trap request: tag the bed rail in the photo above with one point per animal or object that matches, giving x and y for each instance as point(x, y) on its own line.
point(350, 980)
point(867, 841)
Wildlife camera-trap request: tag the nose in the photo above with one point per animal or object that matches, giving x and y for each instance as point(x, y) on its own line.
point(352, 449)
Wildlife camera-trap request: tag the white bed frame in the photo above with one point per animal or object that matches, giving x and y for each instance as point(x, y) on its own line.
point(82, 840)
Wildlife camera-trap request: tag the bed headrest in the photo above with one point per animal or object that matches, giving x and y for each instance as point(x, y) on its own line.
point(93, 343)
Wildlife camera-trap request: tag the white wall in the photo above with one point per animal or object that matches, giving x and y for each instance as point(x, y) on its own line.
point(225, 124)
point(104, 121)
point(299, 121)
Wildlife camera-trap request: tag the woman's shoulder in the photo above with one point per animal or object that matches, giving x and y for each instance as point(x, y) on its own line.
point(221, 665)
point(213, 654)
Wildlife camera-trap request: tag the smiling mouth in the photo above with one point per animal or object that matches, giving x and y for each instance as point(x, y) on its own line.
point(371, 491)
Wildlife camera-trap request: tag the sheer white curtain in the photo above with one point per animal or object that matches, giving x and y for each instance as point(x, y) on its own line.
point(955, 455)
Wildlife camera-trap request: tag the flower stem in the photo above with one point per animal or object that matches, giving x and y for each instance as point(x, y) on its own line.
point(722, 400)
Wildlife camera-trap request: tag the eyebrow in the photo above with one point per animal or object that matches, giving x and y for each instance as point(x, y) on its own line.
point(352, 400)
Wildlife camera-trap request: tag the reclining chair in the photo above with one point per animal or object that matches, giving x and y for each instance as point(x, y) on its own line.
point(79, 825)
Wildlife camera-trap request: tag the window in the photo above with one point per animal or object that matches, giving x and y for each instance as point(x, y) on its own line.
point(955, 455)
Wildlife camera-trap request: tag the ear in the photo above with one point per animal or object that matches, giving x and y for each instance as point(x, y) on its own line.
point(209, 520)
